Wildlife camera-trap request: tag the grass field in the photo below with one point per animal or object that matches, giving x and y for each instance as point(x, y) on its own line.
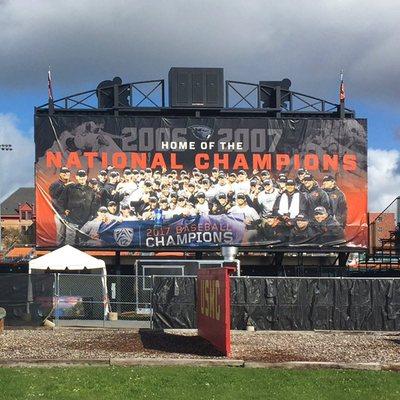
point(100, 383)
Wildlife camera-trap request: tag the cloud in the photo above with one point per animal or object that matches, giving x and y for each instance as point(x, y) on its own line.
point(383, 178)
point(16, 166)
point(308, 41)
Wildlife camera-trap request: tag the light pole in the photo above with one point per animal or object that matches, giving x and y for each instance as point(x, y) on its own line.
point(3, 147)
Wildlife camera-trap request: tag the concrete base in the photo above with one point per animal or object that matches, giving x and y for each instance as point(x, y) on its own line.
point(196, 362)
point(200, 362)
point(314, 365)
point(83, 323)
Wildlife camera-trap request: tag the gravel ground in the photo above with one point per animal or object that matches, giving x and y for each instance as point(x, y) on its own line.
point(265, 346)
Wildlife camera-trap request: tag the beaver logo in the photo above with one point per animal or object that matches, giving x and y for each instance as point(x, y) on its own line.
point(201, 132)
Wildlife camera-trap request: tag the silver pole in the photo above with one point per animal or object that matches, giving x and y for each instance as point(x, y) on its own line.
point(57, 300)
point(398, 211)
point(237, 267)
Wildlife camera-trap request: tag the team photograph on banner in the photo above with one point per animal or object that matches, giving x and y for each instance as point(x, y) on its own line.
point(199, 183)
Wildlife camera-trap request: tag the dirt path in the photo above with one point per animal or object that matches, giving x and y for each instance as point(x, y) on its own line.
point(266, 346)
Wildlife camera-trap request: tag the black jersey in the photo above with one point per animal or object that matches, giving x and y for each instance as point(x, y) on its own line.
point(338, 205)
point(80, 202)
point(328, 230)
point(56, 190)
point(316, 197)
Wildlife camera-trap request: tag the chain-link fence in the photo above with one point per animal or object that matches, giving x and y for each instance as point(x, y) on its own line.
point(76, 299)
point(82, 299)
point(97, 300)
point(27, 299)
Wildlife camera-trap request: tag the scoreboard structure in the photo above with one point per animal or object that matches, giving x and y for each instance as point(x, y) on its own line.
point(272, 171)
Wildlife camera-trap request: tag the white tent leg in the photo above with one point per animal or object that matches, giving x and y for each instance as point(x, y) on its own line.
point(30, 293)
point(105, 294)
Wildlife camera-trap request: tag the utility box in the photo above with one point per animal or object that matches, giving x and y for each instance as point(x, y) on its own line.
point(196, 87)
point(2, 317)
point(268, 93)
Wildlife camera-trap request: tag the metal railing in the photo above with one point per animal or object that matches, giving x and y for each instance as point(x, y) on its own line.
point(385, 246)
point(239, 93)
point(149, 93)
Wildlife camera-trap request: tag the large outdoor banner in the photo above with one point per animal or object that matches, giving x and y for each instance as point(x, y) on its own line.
point(153, 183)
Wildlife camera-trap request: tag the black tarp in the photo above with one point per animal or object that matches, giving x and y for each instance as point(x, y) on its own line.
point(287, 303)
point(173, 302)
point(27, 299)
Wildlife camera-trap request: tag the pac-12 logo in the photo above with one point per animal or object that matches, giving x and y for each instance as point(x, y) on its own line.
point(201, 132)
point(123, 236)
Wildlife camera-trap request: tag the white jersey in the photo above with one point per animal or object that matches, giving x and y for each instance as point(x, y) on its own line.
point(289, 204)
point(126, 188)
point(243, 187)
point(246, 211)
point(186, 211)
point(167, 214)
point(267, 200)
point(202, 209)
point(91, 228)
point(184, 192)
point(134, 196)
point(221, 189)
point(253, 195)
point(210, 193)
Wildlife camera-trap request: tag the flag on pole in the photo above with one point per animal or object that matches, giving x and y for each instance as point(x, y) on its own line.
point(342, 93)
point(49, 85)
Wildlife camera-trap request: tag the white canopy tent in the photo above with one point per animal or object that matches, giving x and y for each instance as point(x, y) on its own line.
point(67, 258)
point(70, 259)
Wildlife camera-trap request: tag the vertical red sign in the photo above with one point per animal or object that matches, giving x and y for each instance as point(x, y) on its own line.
point(214, 307)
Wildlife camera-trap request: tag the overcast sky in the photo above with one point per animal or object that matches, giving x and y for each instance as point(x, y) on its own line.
point(308, 41)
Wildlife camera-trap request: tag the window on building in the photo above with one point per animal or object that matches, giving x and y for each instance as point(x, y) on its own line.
point(27, 215)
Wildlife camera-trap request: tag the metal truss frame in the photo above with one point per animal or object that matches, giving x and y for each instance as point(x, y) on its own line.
point(85, 100)
point(240, 97)
point(287, 101)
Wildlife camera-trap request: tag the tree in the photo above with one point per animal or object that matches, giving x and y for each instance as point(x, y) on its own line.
point(13, 236)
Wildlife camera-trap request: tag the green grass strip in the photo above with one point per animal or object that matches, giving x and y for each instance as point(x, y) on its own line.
point(97, 383)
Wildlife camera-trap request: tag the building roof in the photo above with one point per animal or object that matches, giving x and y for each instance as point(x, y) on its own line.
point(20, 252)
point(22, 195)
